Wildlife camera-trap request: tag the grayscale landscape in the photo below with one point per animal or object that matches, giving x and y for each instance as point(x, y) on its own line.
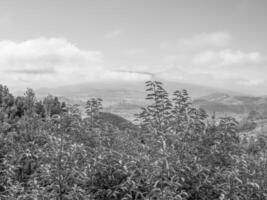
point(133, 100)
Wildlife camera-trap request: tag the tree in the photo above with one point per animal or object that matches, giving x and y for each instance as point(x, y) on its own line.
point(30, 101)
point(40, 109)
point(93, 108)
point(156, 116)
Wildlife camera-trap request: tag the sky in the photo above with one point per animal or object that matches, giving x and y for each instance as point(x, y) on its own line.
point(215, 43)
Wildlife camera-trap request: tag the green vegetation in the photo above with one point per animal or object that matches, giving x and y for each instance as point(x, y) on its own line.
point(176, 152)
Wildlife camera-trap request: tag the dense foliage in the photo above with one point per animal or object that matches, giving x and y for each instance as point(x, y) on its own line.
point(177, 152)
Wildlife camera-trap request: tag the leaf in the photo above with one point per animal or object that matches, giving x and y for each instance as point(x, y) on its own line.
point(178, 197)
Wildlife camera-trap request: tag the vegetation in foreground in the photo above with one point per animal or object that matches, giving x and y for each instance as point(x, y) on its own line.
point(177, 152)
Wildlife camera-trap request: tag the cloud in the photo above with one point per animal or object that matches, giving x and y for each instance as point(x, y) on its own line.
point(210, 59)
point(204, 40)
point(226, 57)
point(253, 82)
point(128, 76)
point(42, 53)
point(206, 59)
point(32, 71)
point(113, 34)
point(47, 61)
point(53, 62)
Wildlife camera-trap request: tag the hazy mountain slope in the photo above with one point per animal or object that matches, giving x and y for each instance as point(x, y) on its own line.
point(122, 98)
point(227, 104)
point(123, 90)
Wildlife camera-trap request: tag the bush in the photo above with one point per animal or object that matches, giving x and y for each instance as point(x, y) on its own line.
point(177, 152)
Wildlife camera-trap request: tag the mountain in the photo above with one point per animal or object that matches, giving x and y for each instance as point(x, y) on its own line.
point(123, 90)
point(125, 98)
point(120, 97)
point(225, 104)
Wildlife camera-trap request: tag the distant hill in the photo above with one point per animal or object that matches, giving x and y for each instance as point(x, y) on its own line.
point(122, 98)
point(124, 90)
point(223, 103)
point(117, 121)
point(126, 98)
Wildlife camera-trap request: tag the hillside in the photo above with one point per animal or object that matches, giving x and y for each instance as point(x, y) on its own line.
point(117, 121)
point(226, 104)
point(122, 98)
point(126, 98)
point(124, 90)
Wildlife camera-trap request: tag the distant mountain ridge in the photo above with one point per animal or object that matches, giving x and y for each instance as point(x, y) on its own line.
point(227, 104)
point(127, 88)
point(126, 98)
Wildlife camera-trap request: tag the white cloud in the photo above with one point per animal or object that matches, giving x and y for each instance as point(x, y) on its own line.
point(51, 52)
point(203, 40)
point(226, 57)
point(53, 62)
point(211, 59)
point(127, 76)
point(145, 69)
point(252, 82)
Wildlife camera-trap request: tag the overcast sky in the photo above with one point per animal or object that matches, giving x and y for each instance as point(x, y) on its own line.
point(207, 42)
